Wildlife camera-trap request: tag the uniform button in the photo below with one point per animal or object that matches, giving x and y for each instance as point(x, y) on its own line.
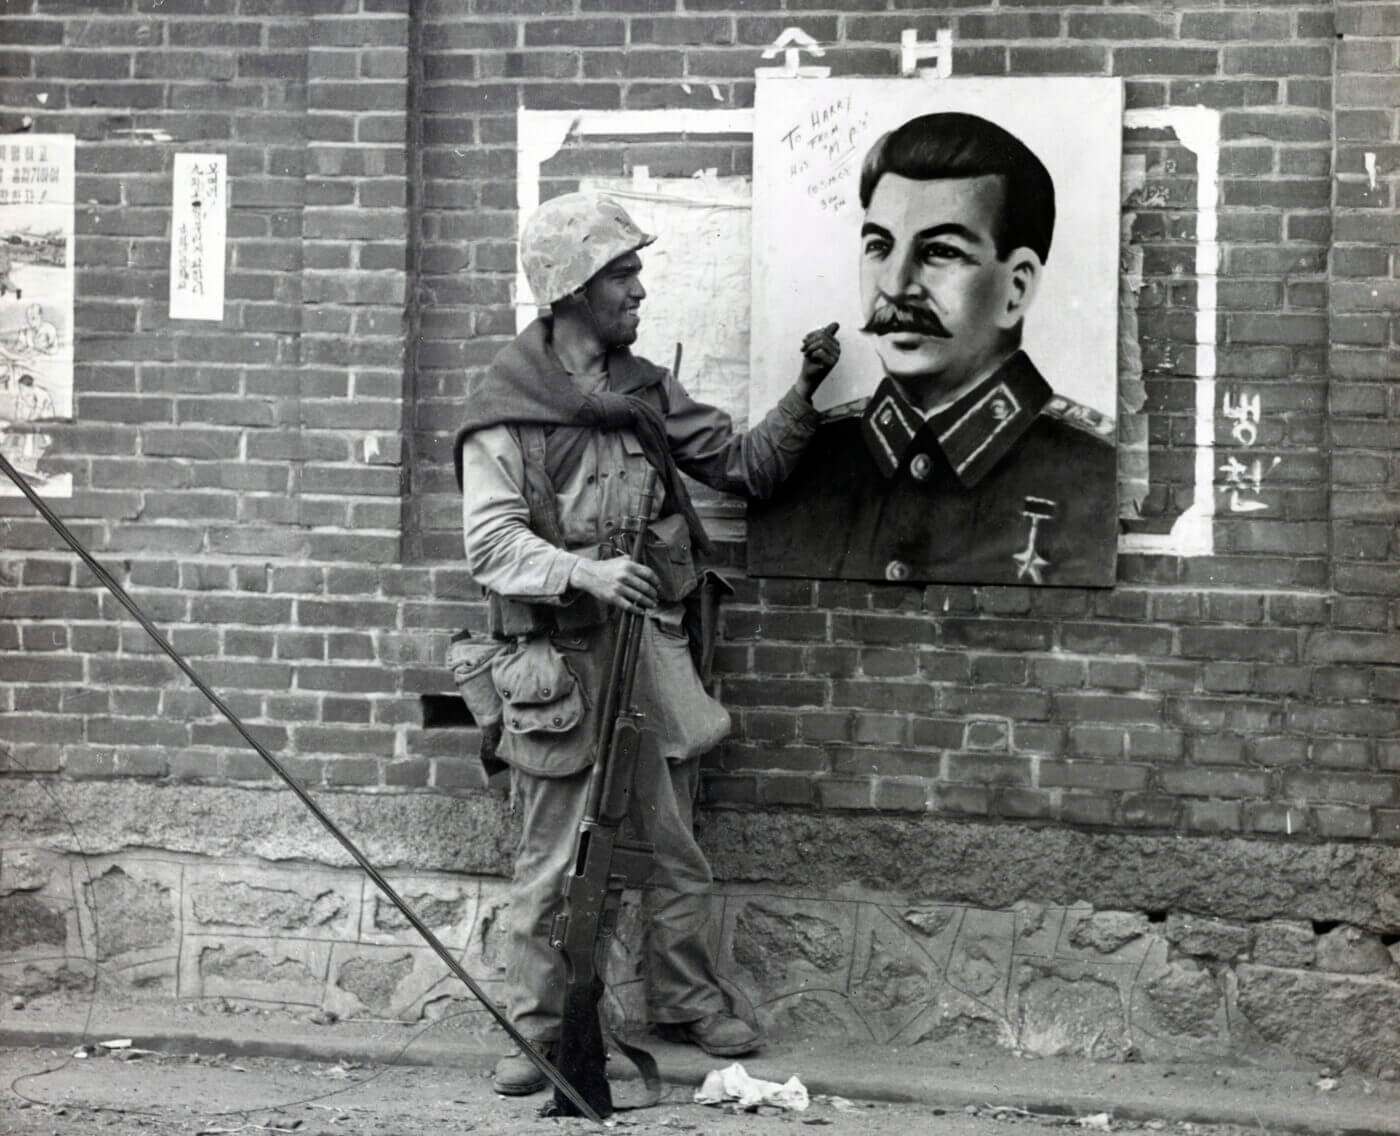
point(545, 692)
point(558, 721)
point(590, 479)
point(921, 467)
point(896, 570)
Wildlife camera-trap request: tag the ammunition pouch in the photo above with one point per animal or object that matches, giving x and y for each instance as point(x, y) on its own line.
point(701, 620)
point(470, 662)
point(667, 552)
point(545, 708)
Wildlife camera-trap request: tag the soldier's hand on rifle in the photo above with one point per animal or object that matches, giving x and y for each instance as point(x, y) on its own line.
point(619, 581)
point(820, 351)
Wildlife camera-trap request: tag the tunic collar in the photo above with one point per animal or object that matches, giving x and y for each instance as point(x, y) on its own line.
point(972, 435)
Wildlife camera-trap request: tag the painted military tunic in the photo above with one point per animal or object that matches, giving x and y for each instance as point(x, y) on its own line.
point(1012, 484)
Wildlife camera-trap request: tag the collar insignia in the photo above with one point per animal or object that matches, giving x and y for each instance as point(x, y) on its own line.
point(974, 433)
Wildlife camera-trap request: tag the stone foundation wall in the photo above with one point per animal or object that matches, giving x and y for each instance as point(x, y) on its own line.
point(1168, 962)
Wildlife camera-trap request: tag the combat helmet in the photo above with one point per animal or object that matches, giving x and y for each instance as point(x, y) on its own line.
point(569, 238)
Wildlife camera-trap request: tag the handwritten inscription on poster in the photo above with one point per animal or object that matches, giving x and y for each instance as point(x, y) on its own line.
point(36, 304)
point(198, 224)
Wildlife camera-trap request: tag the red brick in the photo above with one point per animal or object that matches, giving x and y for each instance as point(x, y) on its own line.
point(1026, 804)
point(1009, 26)
point(1337, 822)
point(1146, 811)
point(1294, 127)
point(1378, 19)
point(1105, 708)
point(1278, 60)
point(1212, 816)
point(1105, 776)
point(785, 791)
point(1250, 26)
point(1351, 788)
point(457, 774)
point(1167, 60)
point(900, 796)
point(1122, 26)
point(844, 793)
point(1085, 808)
point(962, 800)
point(666, 31)
point(1076, 60)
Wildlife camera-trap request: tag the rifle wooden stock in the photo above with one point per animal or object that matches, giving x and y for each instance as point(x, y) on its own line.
point(603, 863)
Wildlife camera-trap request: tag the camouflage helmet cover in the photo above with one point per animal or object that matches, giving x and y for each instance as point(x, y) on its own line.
point(569, 238)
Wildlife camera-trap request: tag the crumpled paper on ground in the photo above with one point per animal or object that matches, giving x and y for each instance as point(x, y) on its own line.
point(732, 1083)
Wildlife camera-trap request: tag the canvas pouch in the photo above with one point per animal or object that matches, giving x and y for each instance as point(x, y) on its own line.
point(544, 709)
point(668, 553)
point(470, 662)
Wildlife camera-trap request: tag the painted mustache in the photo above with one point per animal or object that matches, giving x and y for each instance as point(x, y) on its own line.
point(889, 317)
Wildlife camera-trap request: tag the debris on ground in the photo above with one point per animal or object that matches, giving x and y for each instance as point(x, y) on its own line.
point(340, 1071)
point(733, 1083)
point(259, 1124)
point(1099, 1122)
point(840, 1104)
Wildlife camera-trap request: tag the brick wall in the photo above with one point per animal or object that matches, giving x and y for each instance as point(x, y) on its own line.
point(276, 489)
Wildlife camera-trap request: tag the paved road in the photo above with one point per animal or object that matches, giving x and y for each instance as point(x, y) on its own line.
point(49, 1092)
point(213, 1068)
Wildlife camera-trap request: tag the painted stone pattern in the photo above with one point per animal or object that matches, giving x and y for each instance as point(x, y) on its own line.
point(1044, 979)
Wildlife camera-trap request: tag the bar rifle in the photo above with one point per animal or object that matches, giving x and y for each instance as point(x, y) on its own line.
point(605, 863)
point(562, 1087)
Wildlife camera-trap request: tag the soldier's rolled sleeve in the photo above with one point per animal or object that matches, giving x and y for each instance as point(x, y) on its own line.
point(755, 462)
point(503, 555)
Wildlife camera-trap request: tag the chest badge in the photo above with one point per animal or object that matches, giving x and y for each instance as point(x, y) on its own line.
point(1029, 563)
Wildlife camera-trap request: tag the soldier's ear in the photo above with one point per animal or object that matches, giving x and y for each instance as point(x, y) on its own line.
point(1023, 271)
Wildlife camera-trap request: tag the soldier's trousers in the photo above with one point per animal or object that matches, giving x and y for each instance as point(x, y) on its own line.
point(677, 960)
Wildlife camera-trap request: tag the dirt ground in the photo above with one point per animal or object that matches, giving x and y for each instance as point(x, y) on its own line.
point(48, 1092)
point(205, 1068)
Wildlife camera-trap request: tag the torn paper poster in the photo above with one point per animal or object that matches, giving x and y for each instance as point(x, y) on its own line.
point(36, 303)
point(732, 1083)
point(198, 227)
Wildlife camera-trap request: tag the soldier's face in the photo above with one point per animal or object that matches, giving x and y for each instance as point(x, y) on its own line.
point(615, 296)
point(939, 303)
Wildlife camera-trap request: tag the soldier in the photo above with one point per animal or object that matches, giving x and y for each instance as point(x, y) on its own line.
point(559, 433)
point(964, 465)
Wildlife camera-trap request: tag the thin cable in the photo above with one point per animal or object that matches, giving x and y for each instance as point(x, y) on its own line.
point(86, 1030)
point(96, 944)
point(109, 582)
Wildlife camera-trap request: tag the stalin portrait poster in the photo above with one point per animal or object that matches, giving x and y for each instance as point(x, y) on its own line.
point(964, 233)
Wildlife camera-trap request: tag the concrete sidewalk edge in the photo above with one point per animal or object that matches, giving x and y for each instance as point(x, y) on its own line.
point(937, 1086)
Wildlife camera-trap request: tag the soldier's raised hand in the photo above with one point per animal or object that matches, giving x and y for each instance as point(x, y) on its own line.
point(820, 351)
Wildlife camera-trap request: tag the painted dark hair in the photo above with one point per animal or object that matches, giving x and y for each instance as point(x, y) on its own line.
point(951, 145)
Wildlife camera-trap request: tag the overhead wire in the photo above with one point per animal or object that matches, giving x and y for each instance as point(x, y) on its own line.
point(121, 595)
